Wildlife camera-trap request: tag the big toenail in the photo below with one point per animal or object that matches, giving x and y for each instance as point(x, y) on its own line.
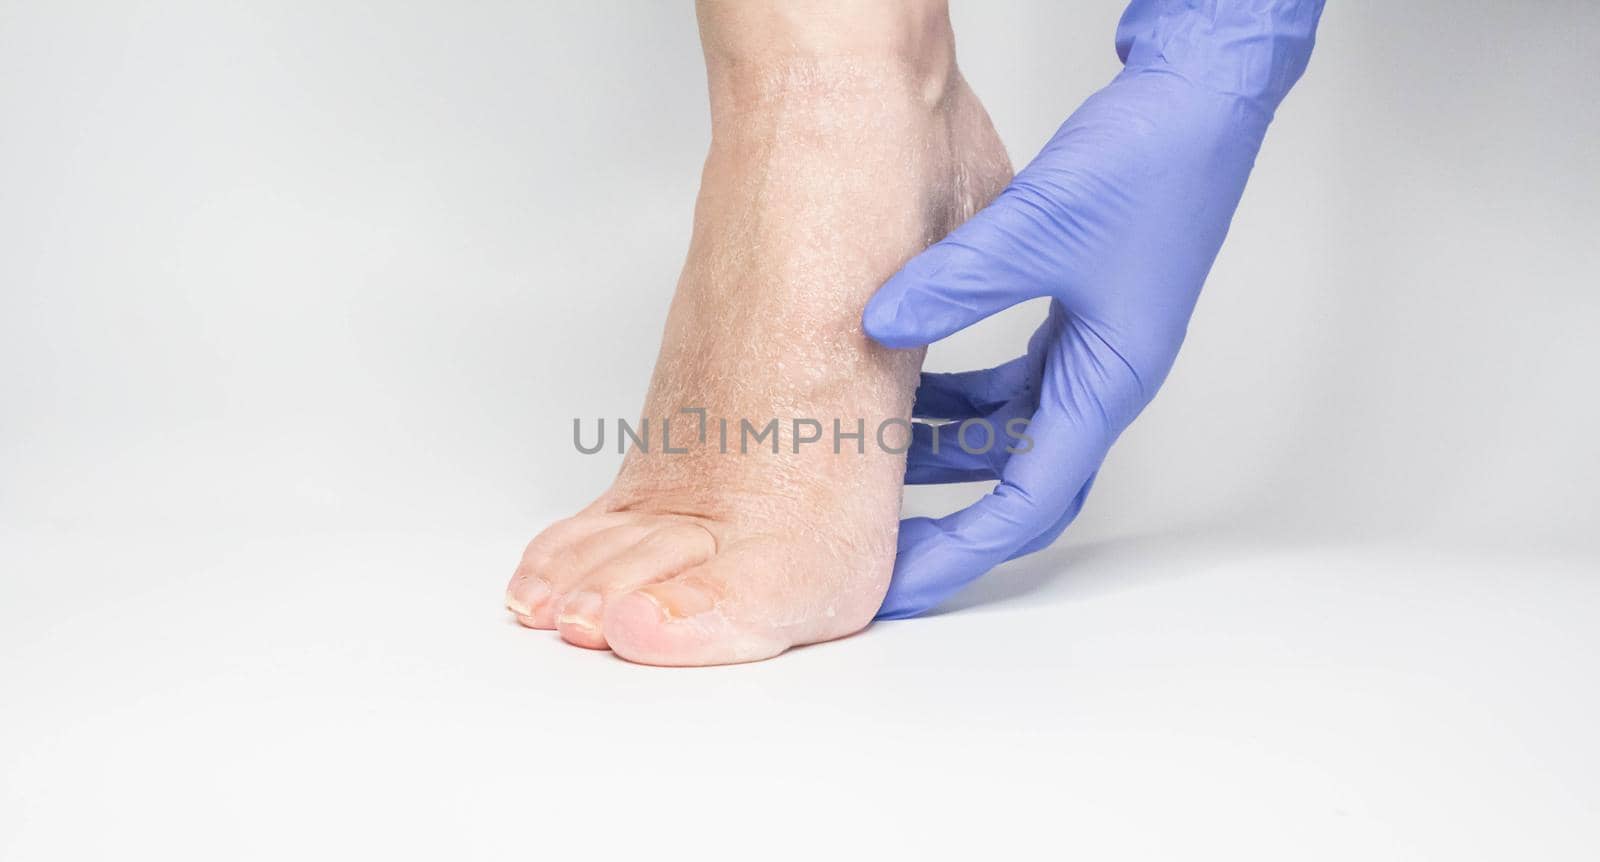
point(581, 609)
point(678, 600)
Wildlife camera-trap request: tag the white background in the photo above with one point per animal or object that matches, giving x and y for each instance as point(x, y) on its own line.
point(297, 302)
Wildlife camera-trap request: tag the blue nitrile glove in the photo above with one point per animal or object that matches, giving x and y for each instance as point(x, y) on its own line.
point(1118, 221)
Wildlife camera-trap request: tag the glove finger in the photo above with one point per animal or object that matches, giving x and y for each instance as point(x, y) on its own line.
point(937, 557)
point(965, 394)
point(1044, 540)
point(972, 450)
point(1038, 490)
point(985, 266)
point(950, 464)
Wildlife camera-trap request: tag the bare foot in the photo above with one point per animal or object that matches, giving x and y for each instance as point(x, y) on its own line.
point(836, 155)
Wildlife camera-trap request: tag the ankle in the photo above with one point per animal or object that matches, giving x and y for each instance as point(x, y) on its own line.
point(758, 53)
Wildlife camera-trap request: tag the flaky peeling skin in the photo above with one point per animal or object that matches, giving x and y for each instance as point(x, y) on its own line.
point(824, 177)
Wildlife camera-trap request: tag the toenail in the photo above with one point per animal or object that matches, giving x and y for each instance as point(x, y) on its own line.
point(581, 609)
point(678, 600)
point(526, 597)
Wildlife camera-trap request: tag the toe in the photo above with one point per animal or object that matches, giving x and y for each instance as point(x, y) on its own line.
point(752, 601)
point(528, 592)
point(707, 615)
point(550, 569)
point(578, 621)
point(663, 553)
point(526, 597)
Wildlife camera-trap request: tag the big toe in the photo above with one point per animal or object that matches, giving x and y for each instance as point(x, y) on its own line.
point(661, 554)
point(746, 604)
point(679, 623)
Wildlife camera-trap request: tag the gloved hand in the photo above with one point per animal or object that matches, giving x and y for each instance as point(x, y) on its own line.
point(1118, 221)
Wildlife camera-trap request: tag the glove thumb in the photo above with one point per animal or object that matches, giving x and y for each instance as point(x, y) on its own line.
point(980, 269)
